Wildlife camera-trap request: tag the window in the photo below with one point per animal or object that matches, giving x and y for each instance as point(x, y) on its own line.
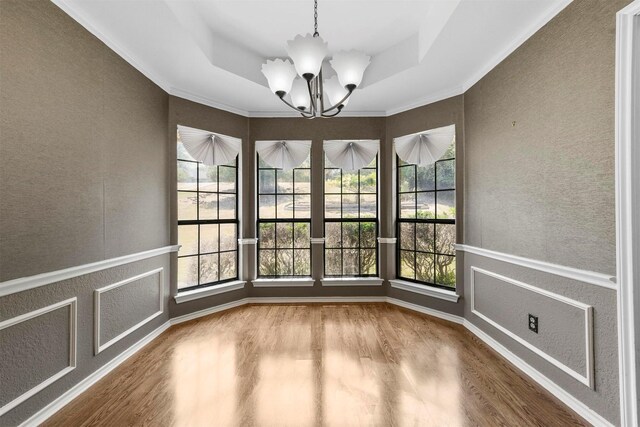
point(426, 221)
point(207, 222)
point(284, 221)
point(351, 221)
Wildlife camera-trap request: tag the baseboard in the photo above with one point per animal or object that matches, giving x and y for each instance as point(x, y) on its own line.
point(314, 300)
point(208, 311)
point(425, 310)
point(43, 414)
point(576, 405)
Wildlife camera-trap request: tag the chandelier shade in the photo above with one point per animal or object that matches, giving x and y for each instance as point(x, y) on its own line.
point(425, 148)
point(210, 148)
point(307, 54)
point(280, 74)
point(284, 155)
point(350, 67)
point(300, 94)
point(351, 155)
point(335, 92)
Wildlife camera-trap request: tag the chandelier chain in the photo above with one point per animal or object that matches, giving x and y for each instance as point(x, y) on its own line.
point(315, 18)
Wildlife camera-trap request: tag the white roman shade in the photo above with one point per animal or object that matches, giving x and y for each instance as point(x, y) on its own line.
point(284, 155)
point(425, 148)
point(351, 155)
point(208, 147)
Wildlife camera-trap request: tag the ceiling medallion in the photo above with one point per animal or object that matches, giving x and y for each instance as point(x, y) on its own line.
point(303, 81)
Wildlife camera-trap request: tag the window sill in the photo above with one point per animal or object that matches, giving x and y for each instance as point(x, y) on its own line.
point(207, 292)
point(443, 294)
point(352, 281)
point(283, 283)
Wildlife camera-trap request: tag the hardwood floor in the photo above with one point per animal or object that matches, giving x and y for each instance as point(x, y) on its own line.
point(318, 364)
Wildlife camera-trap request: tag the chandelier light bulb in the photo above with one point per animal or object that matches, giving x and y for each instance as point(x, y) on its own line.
point(350, 67)
point(280, 74)
point(307, 54)
point(335, 91)
point(300, 94)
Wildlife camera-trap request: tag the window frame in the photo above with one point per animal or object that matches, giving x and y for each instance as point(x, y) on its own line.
point(435, 221)
point(359, 220)
point(277, 220)
point(199, 222)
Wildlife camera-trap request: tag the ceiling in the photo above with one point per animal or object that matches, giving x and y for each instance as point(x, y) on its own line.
point(211, 51)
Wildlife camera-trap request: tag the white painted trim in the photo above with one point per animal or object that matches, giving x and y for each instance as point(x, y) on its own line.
point(426, 310)
point(314, 300)
point(98, 347)
point(627, 135)
point(317, 240)
point(208, 311)
point(25, 283)
point(73, 345)
point(283, 283)
point(427, 290)
point(352, 281)
point(387, 240)
point(43, 414)
point(426, 100)
point(572, 402)
point(292, 114)
point(209, 291)
point(584, 276)
point(248, 241)
point(588, 377)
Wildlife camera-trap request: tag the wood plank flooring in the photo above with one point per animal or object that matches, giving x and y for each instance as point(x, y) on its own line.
point(312, 365)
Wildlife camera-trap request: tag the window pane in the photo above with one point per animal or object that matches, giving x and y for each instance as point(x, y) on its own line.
point(301, 236)
point(208, 206)
point(332, 182)
point(426, 205)
point(267, 236)
point(424, 267)
point(446, 239)
point(267, 260)
point(285, 181)
point(284, 235)
point(349, 182)
point(446, 270)
point(350, 206)
point(303, 181)
point(451, 151)
point(285, 207)
point(407, 264)
point(350, 235)
point(368, 206)
point(267, 181)
point(447, 204)
point(303, 206)
point(208, 178)
point(368, 235)
point(332, 206)
point(302, 262)
point(332, 235)
point(188, 239)
point(285, 262)
point(228, 265)
point(426, 179)
point(227, 179)
point(350, 262)
point(208, 238)
point(187, 206)
point(407, 178)
point(267, 207)
point(446, 174)
point(227, 206)
point(187, 272)
point(208, 268)
point(408, 205)
point(407, 236)
point(368, 181)
point(374, 163)
point(187, 176)
point(424, 237)
point(333, 263)
point(228, 237)
point(368, 261)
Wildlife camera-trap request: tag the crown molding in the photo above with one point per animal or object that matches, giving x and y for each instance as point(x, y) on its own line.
point(189, 96)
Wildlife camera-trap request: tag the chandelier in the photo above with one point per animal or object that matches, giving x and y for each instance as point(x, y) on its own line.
point(302, 80)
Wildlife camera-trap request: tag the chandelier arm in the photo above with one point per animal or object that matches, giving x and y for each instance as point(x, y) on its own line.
point(303, 113)
point(350, 89)
point(326, 116)
point(321, 90)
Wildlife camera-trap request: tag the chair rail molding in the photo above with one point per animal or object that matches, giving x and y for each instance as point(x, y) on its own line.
point(627, 143)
